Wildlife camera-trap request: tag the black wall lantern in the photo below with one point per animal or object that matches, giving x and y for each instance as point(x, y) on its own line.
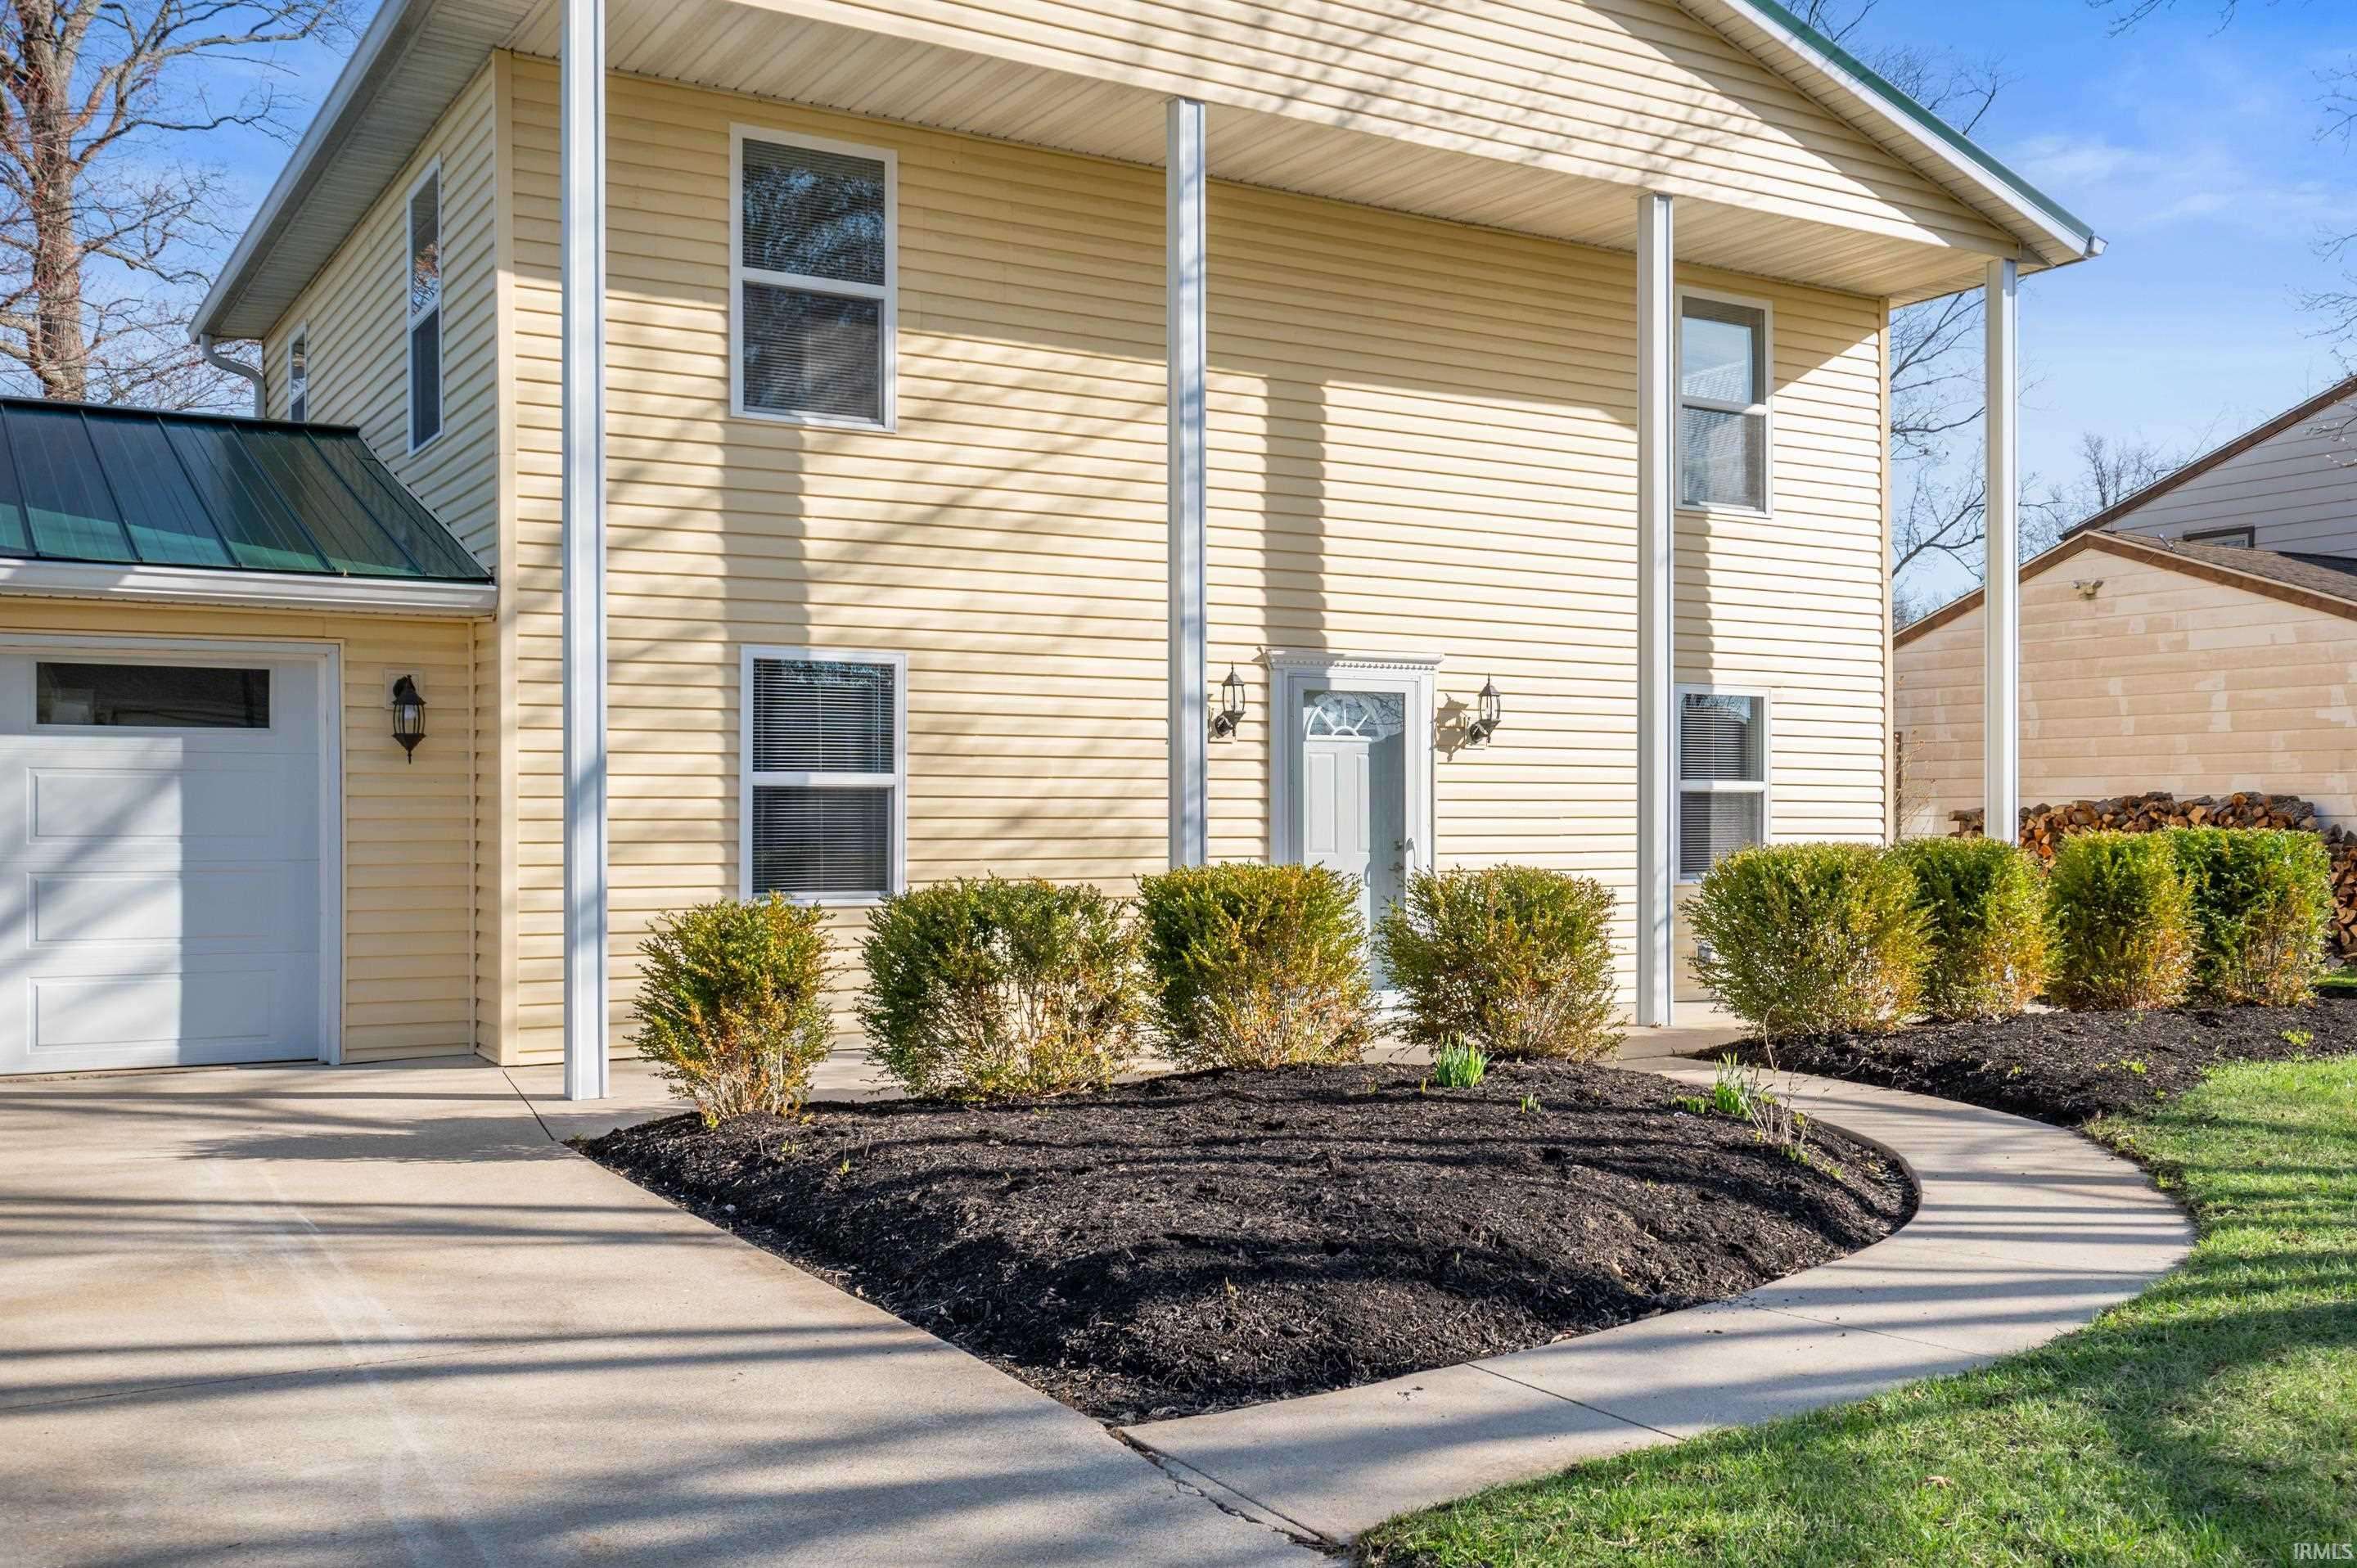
point(1232, 706)
point(408, 716)
point(1487, 714)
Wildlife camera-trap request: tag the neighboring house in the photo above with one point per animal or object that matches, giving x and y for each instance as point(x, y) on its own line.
point(2290, 484)
point(889, 435)
point(2198, 669)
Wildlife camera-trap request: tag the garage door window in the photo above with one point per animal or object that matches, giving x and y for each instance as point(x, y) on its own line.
point(151, 696)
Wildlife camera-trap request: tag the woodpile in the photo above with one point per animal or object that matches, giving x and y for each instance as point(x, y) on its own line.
point(2045, 826)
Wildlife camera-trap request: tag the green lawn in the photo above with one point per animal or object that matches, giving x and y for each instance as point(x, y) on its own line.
point(2212, 1420)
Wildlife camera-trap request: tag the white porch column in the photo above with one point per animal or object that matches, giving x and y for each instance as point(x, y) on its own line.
point(1190, 650)
point(1657, 334)
point(582, 89)
point(2001, 690)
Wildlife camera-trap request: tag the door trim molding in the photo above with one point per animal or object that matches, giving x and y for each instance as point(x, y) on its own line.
point(327, 658)
point(1291, 675)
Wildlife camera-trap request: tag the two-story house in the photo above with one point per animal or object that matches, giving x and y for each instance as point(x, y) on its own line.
point(1045, 439)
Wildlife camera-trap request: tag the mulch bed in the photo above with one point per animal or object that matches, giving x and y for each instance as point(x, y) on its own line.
point(2068, 1067)
point(1198, 1242)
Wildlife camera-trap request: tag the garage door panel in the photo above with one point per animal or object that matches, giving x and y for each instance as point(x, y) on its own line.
point(165, 1012)
point(223, 811)
point(113, 909)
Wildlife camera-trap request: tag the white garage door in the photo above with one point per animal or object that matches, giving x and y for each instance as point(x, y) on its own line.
point(160, 860)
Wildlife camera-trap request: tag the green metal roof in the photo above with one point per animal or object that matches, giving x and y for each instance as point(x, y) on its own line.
point(135, 487)
point(1908, 108)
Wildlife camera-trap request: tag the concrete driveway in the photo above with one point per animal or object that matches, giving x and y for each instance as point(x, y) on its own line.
point(379, 1315)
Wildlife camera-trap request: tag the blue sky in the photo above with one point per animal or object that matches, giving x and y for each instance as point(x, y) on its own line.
point(2190, 146)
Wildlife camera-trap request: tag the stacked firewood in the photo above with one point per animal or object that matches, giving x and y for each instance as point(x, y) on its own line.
point(2045, 826)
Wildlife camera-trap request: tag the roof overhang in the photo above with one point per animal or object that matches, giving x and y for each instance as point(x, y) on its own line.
point(247, 590)
point(902, 62)
point(2208, 568)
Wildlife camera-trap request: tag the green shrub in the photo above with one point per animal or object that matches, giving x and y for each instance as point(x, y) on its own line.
point(732, 1008)
point(1802, 938)
point(2262, 903)
point(2123, 922)
point(991, 989)
point(1515, 959)
point(1258, 965)
point(1984, 903)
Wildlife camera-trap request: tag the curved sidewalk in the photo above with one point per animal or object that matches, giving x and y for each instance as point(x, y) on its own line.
point(2025, 1232)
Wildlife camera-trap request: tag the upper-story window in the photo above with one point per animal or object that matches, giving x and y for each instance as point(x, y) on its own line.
point(811, 276)
point(2231, 538)
point(299, 375)
point(425, 308)
point(1722, 402)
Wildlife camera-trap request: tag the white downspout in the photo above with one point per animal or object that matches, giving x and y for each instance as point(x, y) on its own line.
point(220, 361)
point(1656, 670)
point(1188, 363)
point(2001, 714)
point(581, 88)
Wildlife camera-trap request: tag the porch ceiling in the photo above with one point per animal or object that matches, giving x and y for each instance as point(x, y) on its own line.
point(769, 49)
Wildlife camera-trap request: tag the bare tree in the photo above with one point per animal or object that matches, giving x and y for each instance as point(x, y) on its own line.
point(106, 226)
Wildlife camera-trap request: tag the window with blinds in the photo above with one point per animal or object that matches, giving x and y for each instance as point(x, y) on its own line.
point(823, 775)
point(813, 316)
point(1722, 777)
point(425, 308)
point(299, 375)
point(1722, 404)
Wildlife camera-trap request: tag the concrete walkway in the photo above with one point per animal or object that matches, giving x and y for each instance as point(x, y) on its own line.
point(306, 1315)
point(2026, 1231)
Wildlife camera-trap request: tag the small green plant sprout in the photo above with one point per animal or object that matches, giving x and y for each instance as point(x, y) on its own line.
point(1459, 1064)
point(1738, 1094)
point(2299, 1039)
point(1530, 1106)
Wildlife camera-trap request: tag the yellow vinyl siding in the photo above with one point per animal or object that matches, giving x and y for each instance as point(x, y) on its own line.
point(1421, 440)
point(1625, 92)
point(356, 313)
point(409, 937)
point(2160, 682)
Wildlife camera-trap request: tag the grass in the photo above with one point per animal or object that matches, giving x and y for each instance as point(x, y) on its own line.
point(2212, 1420)
point(2339, 982)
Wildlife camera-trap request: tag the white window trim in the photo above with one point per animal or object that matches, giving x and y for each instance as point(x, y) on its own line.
point(896, 780)
point(740, 274)
point(1765, 789)
point(1766, 408)
point(410, 316)
point(302, 335)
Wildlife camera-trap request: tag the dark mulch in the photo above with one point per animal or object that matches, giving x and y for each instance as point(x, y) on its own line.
point(2066, 1068)
point(1198, 1242)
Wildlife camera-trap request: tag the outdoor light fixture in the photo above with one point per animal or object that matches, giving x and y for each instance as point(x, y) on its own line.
point(1487, 714)
point(408, 716)
point(1232, 706)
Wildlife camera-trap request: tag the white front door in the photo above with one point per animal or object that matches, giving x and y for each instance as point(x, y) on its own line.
point(160, 860)
point(1353, 792)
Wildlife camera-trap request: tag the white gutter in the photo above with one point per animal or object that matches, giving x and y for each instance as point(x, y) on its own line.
point(220, 361)
point(270, 590)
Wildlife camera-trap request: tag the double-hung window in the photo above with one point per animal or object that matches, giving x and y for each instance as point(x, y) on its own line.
point(825, 773)
point(1722, 776)
point(1722, 404)
point(812, 279)
point(425, 274)
point(299, 375)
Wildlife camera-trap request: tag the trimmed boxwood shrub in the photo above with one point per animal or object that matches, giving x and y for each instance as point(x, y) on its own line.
point(1257, 966)
point(1984, 903)
point(2123, 922)
point(1514, 959)
point(992, 989)
point(732, 1008)
point(2261, 902)
point(1806, 938)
